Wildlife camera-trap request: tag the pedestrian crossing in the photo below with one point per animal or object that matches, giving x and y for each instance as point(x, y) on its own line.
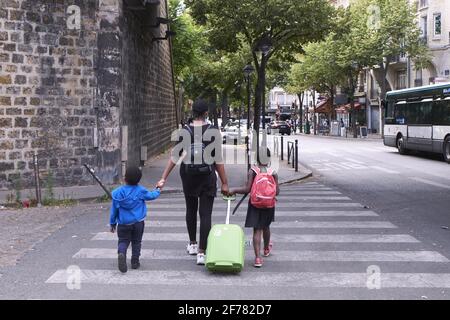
point(322, 239)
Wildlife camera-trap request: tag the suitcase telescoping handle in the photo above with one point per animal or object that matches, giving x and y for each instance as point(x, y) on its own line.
point(228, 199)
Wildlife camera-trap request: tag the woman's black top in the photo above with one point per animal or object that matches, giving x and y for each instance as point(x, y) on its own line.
point(198, 185)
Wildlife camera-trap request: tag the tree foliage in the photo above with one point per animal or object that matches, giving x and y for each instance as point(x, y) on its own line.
point(285, 24)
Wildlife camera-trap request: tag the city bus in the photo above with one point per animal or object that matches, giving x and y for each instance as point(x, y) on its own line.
point(419, 119)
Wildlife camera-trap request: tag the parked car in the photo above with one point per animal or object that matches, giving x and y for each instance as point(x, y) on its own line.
point(282, 126)
point(232, 132)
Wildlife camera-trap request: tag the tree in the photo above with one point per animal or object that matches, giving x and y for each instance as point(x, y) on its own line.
point(383, 30)
point(282, 25)
point(187, 47)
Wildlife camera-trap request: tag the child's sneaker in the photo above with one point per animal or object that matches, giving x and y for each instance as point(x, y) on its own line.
point(200, 258)
point(192, 249)
point(268, 250)
point(258, 262)
point(135, 264)
point(122, 262)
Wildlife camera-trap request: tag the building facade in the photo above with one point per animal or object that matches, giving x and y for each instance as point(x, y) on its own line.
point(82, 82)
point(433, 19)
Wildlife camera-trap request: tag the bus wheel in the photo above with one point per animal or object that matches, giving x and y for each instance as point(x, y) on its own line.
point(447, 149)
point(401, 145)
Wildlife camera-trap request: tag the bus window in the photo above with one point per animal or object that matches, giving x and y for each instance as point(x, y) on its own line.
point(441, 113)
point(400, 113)
point(424, 112)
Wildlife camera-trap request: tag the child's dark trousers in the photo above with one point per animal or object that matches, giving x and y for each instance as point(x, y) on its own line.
point(130, 233)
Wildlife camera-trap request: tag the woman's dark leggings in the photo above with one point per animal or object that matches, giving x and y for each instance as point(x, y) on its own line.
point(205, 210)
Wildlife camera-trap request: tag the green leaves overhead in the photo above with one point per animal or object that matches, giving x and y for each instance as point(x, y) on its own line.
point(289, 23)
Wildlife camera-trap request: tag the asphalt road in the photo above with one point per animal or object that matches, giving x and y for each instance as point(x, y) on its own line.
point(412, 191)
point(367, 226)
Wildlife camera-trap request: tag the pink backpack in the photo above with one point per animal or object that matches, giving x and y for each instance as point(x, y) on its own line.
point(264, 189)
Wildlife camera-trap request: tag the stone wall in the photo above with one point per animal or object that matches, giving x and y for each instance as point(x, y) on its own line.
point(46, 90)
point(66, 90)
point(148, 93)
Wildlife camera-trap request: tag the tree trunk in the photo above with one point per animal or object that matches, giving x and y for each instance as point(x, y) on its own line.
point(314, 112)
point(224, 107)
point(301, 97)
point(330, 115)
point(384, 70)
point(214, 109)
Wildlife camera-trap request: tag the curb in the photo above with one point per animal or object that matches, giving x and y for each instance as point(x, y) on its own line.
point(307, 175)
point(338, 137)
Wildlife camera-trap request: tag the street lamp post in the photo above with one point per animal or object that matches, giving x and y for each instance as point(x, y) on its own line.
point(247, 72)
point(352, 96)
point(264, 45)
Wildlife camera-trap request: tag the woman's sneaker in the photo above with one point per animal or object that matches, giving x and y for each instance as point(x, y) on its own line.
point(192, 249)
point(122, 262)
point(258, 263)
point(268, 250)
point(200, 258)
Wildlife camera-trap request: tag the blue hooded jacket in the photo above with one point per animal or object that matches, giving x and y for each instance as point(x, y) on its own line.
point(128, 204)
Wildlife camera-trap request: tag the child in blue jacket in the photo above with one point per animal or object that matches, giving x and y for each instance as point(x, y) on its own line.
point(128, 212)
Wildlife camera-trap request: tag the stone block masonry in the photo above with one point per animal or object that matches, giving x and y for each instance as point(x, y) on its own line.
point(72, 74)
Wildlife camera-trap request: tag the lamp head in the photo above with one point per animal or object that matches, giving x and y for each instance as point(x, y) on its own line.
point(248, 69)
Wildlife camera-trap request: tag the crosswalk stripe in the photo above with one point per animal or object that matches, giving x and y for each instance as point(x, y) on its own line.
point(279, 213)
point(280, 198)
point(283, 192)
point(281, 255)
point(290, 238)
point(252, 278)
point(293, 205)
point(295, 224)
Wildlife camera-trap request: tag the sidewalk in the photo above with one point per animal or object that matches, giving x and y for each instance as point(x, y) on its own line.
point(370, 136)
point(152, 173)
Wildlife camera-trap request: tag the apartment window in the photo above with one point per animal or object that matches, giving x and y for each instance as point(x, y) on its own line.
point(423, 4)
point(424, 26)
point(437, 22)
point(401, 79)
point(418, 81)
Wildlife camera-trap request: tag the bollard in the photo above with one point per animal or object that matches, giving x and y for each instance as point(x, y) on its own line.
point(281, 148)
point(293, 154)
point(36, 179)
point(296, 155)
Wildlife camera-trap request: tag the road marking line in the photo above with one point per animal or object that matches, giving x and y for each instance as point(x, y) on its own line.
point(384, 170)
point(355, 161)
point(297, 224)
point(281, 255)
point(431, 183)
point(252, 279)
point(281, 197)
point(319, 192)
point(280, 213)
point(222, 205)
point(290, 238)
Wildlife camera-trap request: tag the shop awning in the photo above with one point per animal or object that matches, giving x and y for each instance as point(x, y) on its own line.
point(346, 108)
point(323, 107)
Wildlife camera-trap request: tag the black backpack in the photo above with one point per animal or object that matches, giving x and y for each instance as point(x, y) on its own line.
point(197, 148)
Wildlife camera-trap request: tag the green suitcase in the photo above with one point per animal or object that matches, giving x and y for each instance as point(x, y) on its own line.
point(226, 246)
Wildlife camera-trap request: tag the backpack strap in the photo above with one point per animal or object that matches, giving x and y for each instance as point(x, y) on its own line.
point(256, 169)
point(188, 128)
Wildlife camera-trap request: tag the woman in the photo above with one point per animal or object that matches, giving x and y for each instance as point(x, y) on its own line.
point(199, 189)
